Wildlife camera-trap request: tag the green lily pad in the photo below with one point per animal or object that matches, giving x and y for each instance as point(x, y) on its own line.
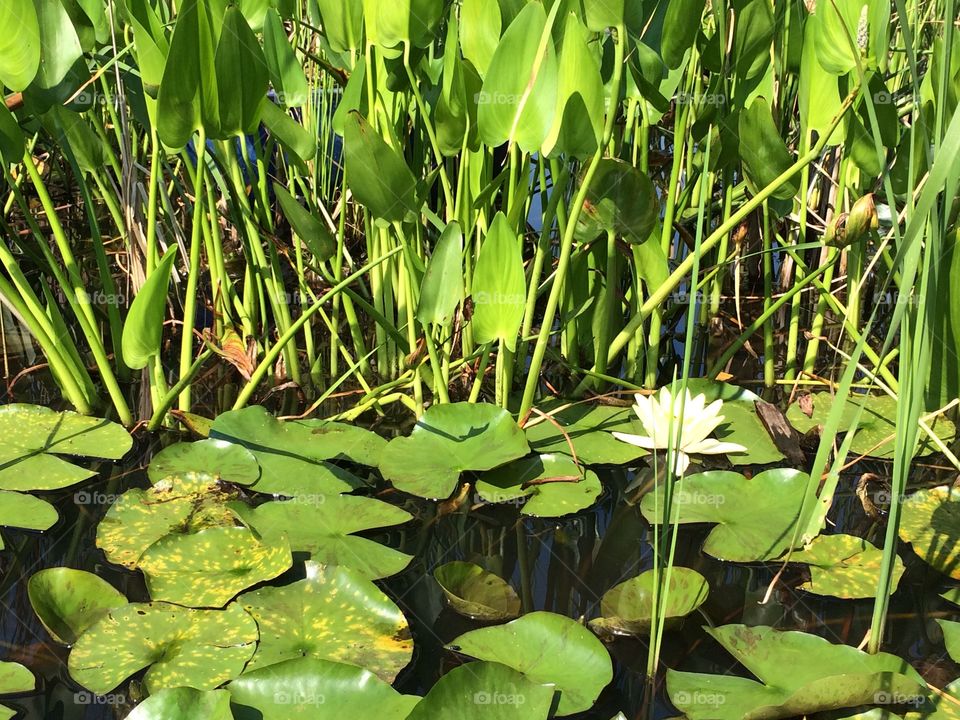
point(589, 429)
point(34, 436)
point(69, 601)
point(182, 647)
point(216, 459)
point(208, 568)
point(755, 518)
point(799, 674)
point(292, 457)
point(549, 491)
point(930, 522)
point(952, 595)
point(15, 678)
point(335, 613)
point(25, 511)
point(450, 439)
point(323, 528)
point(484, 691)
point(877, 428)
point(844, 566)
point(627, 608)
point(184, 703)
point(314, 689)
point(476, 593)
point(547, 648)
point(139, 518)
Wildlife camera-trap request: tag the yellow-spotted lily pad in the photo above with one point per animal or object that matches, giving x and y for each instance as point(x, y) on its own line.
point(213, 459)
point(335, 613)
point(628, 608)
point(181, 647)
point(930, 522)
point(322, 526)
point(184, 703)
point(476, 593)
point(550, 485)
point(844, 566)
point(18, 510)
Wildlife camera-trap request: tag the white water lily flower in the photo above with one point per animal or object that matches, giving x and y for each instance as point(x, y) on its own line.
point(661, 415)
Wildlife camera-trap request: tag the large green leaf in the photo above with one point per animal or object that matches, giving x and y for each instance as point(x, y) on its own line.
point(59, 44)
point(480, 26)
point(181, 647)
point(552, 485)
point(845, 566)
point(621, 199)
point(799, 674)
point(308, 228)
point(755, 518)
point(69, 601)
point(836, 26)
point(289, 133)
point(818, 92)
point(930, 522)
point(448, 440)
point(602, 14)
point(519, 92)
point(628, 608)
point(484, 691)
point(143, 328)
point(476, 593)
point(335, 613)
point(184, 703)
point(324, 529)
point(342, 23)
point(241, 77)
point(310, 689)
point(15, 679)
point(11, 137)
point(442, 287)
point(547, 648)
point(286, 73)
point(26, 512)
point(765, 156)
point(680, 26)
point(211, 459)
point(588, 427)
point(499, 288)
point(402, 22)
point(20, 50)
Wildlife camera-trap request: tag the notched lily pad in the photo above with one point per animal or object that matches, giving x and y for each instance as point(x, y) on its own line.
point(69, 601)
point(553, 485)
point(450, 439)
point(18, 510)
point(588, 428)
point(213, 459)
point(182, 647)
point(844, 566)
point(930, 522)
point(476, 593)
point(335, 613)
point(627, 608)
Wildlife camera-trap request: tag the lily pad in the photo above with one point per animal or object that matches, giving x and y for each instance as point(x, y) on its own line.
point(476, 593)
point(182, 647)
point(335, 613)
point(844, 566)
point(877, 428)
point(799, 674)
point(25, 511)
point(292, 457)
point(553, 485)
point(208, 568)
point(589, 429)
point(755, 518)
point(69, 601)
point(34, 436)
point(184, 703)
point(484, 691)
point(547, 648)
point(216, 459)
point(323, 528)
point(930, 522)
point(15, 679)
point(314, 689)
point(627, 608)
point(450, 439)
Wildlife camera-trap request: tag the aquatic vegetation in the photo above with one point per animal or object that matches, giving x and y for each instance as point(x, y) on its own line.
point(629, 607)
point(476, 593)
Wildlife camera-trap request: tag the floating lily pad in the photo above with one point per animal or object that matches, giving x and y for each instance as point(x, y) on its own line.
point(448, 440)
point(555, 485)
point(182, 647)
point(844, 566)
point(139, 518)
point(216, 459)
point(336, 614)
point(755, 518)
point(476, 593)
point(930, 522)
point(208, 568)
point(484, 691)
point(33, 436)
point(291, 455)
point(14, 680)
point(184, 704)
point(877, 428)
point(627, 608)
point(314, 689)
point(69, 601)
point(799, 674)
point(323, 528)
point(547, 648)
point(25, 511)
point(588, 428)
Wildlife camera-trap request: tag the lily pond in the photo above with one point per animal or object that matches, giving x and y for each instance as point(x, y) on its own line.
point(252, 567)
